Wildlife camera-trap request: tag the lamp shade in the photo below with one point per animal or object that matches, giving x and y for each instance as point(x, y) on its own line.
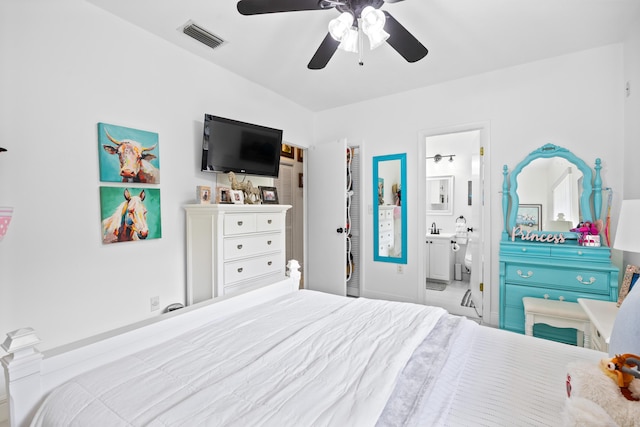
point(339, 27)
point(628, 232)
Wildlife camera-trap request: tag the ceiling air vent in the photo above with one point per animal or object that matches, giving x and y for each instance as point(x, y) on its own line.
point(202, 35)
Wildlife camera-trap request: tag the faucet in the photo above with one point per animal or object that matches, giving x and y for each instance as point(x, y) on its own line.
point(434, 230)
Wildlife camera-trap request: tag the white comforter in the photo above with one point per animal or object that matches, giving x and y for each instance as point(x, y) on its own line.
point(304, 359)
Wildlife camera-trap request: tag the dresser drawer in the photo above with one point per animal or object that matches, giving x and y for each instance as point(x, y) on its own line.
point(515, 293)
point(245, 246)
point(239, 224)
point(589, 281)
point(385, 225)
point(541, 250)
point(597, 340)
point(268, 221)
point(245, 269)
point(579, 252)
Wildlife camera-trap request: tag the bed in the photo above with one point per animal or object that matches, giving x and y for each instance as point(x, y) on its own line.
point(281, 356)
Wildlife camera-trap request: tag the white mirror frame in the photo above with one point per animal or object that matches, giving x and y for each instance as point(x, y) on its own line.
point(446, 182)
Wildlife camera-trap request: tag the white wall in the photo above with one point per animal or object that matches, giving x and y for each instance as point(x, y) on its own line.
point(574, 101)
point(632, 124)
point(67, 65)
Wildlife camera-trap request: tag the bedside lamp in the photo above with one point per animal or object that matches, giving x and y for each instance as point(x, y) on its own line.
point(625, 336)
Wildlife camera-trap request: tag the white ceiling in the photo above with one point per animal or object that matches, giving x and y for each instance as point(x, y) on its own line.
point(464, 37)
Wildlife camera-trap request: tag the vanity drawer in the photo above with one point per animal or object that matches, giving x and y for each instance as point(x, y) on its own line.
point(239, 247)
point(579, 252)
point(268, 222)
point(239, 224)
point(237, 271)
point(385, 225)
point(589, 281)
point(525, 250)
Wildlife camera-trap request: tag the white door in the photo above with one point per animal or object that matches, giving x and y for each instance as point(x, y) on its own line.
point(326, 183)
point(284, 186)
point(477, 235)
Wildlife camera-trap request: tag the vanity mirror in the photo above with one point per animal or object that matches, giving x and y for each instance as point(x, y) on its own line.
point(440, 195)
point(390, 208)
point(560, 184)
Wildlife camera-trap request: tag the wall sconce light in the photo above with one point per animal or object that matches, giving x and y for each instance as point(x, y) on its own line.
point(5, 219)
point(439, 157)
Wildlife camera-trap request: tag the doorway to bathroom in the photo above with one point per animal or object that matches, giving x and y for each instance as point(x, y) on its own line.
point(453, 164)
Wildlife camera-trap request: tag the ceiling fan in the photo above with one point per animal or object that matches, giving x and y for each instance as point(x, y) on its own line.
point(345, 32)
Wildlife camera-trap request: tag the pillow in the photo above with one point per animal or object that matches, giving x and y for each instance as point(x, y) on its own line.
point(625, 336)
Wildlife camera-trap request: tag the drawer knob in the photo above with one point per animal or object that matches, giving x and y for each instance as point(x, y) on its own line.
point(240, 223)
point(268, 242)
point(239, 246)
point(240, 270)
point(270, 262)
point(524, 249)
point(579, 252)
point(561, 298)
point(546, 296)
point(525, 276)
point(591, 281)
point(269, 221)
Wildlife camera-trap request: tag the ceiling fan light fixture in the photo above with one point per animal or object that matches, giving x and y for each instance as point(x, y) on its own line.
point(349, 42)
point(373, 21)
point(340, 26)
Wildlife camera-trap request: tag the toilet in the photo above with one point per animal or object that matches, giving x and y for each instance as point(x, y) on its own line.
point(467, 256)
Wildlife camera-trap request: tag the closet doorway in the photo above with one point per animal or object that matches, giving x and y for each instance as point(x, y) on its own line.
point(454, 184)
point(289, 186)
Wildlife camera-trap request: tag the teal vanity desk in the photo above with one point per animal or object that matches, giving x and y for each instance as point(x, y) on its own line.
point(539, 256)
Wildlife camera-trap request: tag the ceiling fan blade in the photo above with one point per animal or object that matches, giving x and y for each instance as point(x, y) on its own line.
point(392, 1)
point(324, 53)
point(257, 7)
point(403, 41)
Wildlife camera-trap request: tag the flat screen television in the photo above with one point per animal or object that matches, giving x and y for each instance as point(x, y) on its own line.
point(234, 146)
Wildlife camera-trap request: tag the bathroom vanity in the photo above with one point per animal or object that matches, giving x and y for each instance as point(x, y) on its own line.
point(439, 257)
point(551, 264)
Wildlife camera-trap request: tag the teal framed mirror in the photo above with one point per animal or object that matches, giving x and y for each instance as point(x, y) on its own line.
point(390, 208)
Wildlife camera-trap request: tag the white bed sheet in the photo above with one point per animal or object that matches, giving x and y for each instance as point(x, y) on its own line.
point(344, 361)
point(336, 364)
point(513, 380)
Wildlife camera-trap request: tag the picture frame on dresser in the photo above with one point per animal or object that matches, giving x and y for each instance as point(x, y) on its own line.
point(269, 195)
point(224, 196)
point(631, 274)
point(529, 217)
point(237, 197)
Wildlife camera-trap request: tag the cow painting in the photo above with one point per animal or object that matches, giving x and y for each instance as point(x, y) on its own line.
point(126, 216)
point(128, 157)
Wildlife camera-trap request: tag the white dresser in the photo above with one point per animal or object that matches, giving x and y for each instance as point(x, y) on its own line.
point(386, 232)
point(231, 248)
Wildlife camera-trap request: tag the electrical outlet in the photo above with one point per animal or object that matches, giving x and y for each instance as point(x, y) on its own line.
point(400, 269)
point(155, 303)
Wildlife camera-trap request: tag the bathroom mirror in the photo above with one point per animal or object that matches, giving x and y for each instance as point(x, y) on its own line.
point(390, 208)
point(558, 187)
point(440, 195)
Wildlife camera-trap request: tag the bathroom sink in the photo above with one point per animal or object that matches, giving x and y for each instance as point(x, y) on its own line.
point(441, 235)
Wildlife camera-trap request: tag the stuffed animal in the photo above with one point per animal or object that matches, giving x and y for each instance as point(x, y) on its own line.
point(590, 228)
point(620, 368)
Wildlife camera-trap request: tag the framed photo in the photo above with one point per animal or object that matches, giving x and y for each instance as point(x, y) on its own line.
point(203, 193)
point(269, 195)
point(237, 197)
point(223, 195)
point(529, 217)
point(630, 278)
point(286, 151)
point(299, 155)
point(300, 180)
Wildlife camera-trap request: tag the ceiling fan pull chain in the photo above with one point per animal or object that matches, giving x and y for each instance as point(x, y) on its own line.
point(360, 43)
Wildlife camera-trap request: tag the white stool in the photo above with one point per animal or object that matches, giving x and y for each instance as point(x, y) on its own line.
point(559, 314)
